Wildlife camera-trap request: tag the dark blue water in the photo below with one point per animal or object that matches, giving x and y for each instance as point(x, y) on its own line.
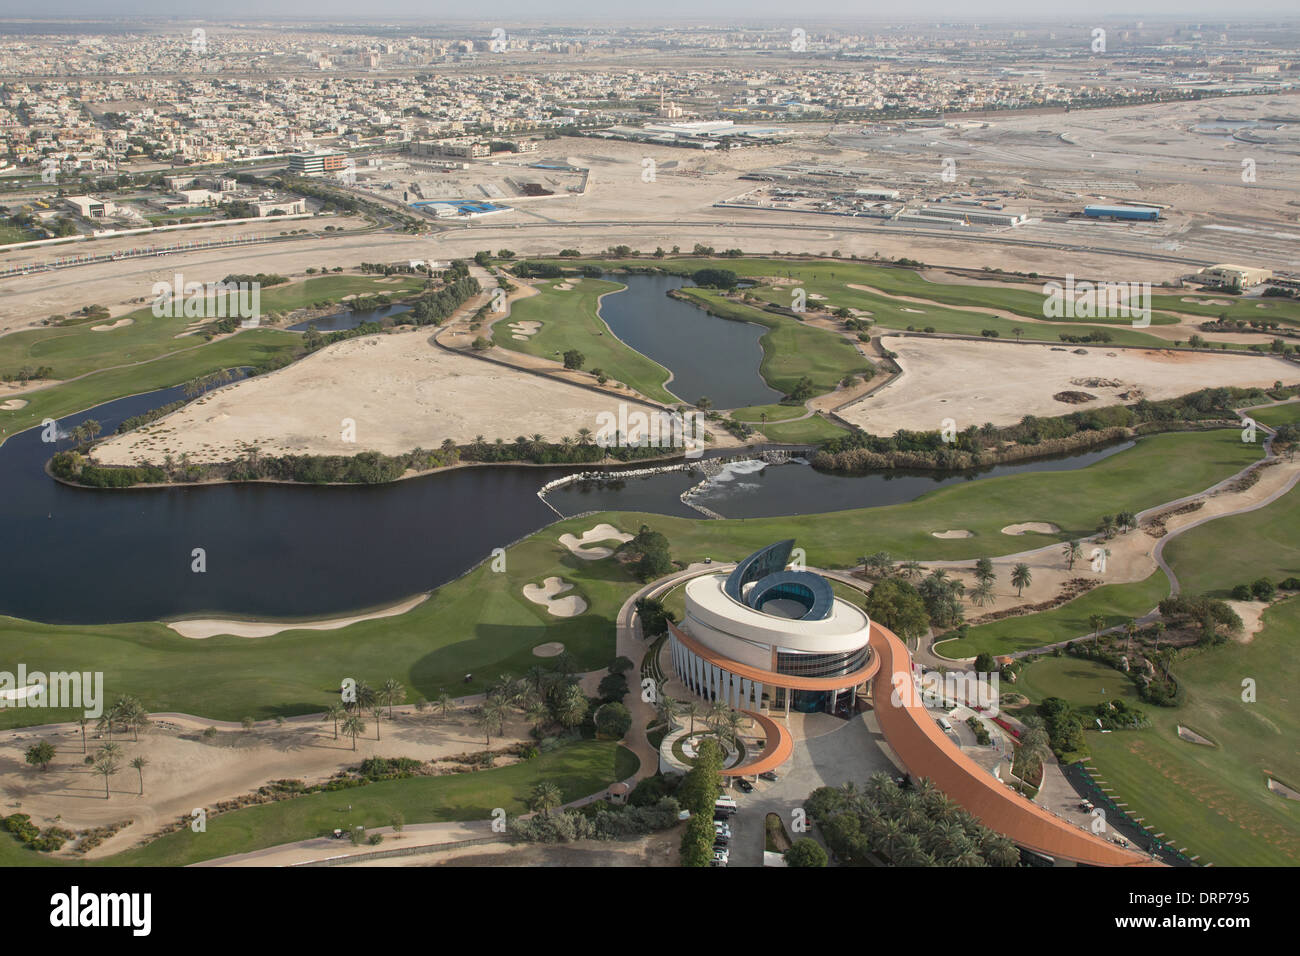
point(708, 356)
point(754, 490)
point(91, 556)
point(341, 321)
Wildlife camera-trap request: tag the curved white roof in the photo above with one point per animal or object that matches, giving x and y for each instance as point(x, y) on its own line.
point(847, 628)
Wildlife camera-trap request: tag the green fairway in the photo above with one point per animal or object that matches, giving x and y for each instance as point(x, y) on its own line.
point(811, 431)
point(570, 320)
point(1213, 800)
point(1276, 415)
point(1117, 603)
point(1235, 307)
point(774, 413)
point(75, 348)
point(1239, 549)
point(249, 347)
point(578, 769)
point(1084, 683)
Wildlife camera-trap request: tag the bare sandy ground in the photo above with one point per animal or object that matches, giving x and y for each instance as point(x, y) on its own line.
point(401, 391)
point(657, 849)
point(186, 770)
point(201, 628)
point(1001, 382)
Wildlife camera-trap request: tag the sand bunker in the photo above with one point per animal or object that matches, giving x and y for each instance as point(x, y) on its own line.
point(524, 330)
point(116, 325)
point(1038, 527)
point(13, 404)
point(200, 629)
point(602, 532)
point(550, 649)
point(1281, 788)
point(562, 286)
point(1193, 737)
point(546, 595)
point(915, 311)
point(955, 533)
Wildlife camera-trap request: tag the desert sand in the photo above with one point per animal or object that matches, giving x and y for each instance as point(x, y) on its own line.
point(401, 391)
point(1000, 382)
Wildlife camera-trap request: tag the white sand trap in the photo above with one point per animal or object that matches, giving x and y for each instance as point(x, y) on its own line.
point(562, 286)
point(13, 404)
point(1038, 527)
point(550, 649)
point(116, 325)
point(201, 629)
point(1193, 737)
point(817, 296)
point(914, 311)
point(1283, 789)
point(546, 595)
point(954, 533)
point(521, 338)
point(524, 330)
point(602, 532)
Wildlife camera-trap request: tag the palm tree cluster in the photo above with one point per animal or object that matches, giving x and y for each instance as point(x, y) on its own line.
point(982, 593)
point(127, 713)
point(942, 595)
point(542, 697)
point(919, 826)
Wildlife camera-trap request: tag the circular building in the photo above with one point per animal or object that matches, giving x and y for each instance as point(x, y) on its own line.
point(765, 635)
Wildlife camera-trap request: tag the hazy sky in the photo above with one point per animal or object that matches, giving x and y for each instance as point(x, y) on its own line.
point(734, 11)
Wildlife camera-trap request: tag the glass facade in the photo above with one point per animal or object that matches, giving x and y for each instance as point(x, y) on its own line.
point(822, 665)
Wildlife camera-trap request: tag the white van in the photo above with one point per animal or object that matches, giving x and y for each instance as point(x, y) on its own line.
point(947, 727)
point(726, 804)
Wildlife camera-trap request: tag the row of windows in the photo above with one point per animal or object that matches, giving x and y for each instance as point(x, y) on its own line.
point(822, 665)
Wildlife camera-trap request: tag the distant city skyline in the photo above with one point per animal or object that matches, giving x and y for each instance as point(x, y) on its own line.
point(750, 11)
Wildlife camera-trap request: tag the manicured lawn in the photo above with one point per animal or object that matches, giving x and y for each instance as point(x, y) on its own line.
point(1239, 549)
point(812, 430)
point(570, 321)
point(1277, 415)
point(774, 413)
point(1213, 800)
point(578, 769)
point(1080, 681)
point(1117, 603)
point(249, 347)
point(75, 349)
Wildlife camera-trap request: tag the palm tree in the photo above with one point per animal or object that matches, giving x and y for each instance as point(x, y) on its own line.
point(1130, 629)
point(667, 709)
point(106, 765)
point(377, 711)
point(1096, 622)
point(910, 570)
point(353, 726)
point(336, 712)
point(572, 707)
point(692, 710)
point(537, 714)
point(138, 764)
point(444, 704)
point(584, 436)
point(392, 693)
point(1021, 577)
point(544, 797)
point(1073, 552)
point(1159, 628)
point(81, 722)
point(982, 594)
point(984, 570)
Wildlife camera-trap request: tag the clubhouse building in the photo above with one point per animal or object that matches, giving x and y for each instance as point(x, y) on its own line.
point(768, 637)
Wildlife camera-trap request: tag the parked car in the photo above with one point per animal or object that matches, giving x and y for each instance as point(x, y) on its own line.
point(720, 858)
point(744, 785)
point(769, 775)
